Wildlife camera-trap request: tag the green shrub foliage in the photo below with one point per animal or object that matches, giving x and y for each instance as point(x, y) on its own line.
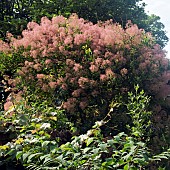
point(35, 147)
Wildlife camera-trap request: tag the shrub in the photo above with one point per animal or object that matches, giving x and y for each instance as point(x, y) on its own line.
point(84, 65)
point(35, 148)
point(33, 122)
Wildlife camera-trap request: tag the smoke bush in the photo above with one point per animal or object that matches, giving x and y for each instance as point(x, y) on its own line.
point(85, 65)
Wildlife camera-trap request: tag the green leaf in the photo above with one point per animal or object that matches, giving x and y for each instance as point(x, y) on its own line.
point(11, 152)
point(110, 142)
point(19, 154)
point(60, 158)
point(44, 156)
point(33, 156)
point(96, 150)
point(103, 147)
point(76, 155)
point(25, 155)
point(89, 141)
point(141, 144)
point(82, 161)
point(126, 167)
point(86, 149)
point(109, 161)
point(45, 143)
point(47, 158)
point(160, 157)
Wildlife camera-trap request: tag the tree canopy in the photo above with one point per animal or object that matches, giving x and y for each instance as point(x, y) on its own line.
point(15, 14)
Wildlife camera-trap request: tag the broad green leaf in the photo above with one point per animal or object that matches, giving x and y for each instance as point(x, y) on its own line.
point(25, 155)
point(86, 149)
point(89, 141)
point(44, 156)
point(45, 143)
point(47, 158)
point(126, 167)
point(103, 147)
point(19, 154)
point(96, 150)
point(33, 156)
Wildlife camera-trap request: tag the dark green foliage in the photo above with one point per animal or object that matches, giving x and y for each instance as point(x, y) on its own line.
point(156, 28)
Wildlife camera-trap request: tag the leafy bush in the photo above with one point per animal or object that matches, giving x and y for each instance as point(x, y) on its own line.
point(35, 148)
point(27, 123)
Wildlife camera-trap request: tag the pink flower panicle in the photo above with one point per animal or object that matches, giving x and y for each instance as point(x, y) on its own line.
point(109, 73)
point(70, 105)
point(103, 77)
point(40, 76)
point(52, 85)
point(4, 47)
point(77, 93)
point(93, 68)
point(83, 82)
point(77, 67)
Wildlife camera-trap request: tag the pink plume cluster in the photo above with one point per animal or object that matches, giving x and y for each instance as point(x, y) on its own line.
point(87, 60)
